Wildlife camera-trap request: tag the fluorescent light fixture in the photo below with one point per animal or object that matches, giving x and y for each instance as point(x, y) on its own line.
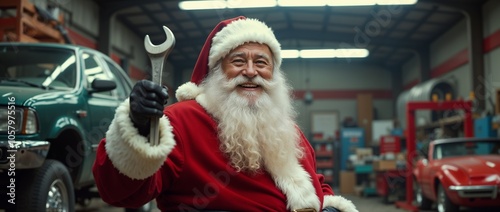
point(351, 53)
point(250, 4)
point(325, 53)
point(308, 3)
point(292, 53)
point(396, 2)
point(223, 4)
point(351, 2)
point(369, 2)
point(317, 53)
point(202, 5)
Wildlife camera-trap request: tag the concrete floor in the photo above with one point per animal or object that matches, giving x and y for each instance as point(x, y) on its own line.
point(363, 204)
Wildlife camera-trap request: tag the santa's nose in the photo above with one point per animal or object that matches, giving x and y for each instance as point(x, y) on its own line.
point(250, 71)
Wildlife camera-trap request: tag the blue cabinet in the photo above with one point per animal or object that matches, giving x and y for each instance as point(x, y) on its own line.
point(351, 139)
point(483, 128)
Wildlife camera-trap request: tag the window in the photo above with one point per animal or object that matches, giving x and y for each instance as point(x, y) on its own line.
point(95, 70)
point(122, 87)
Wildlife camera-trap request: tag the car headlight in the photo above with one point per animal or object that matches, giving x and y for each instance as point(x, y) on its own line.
point(19, 120)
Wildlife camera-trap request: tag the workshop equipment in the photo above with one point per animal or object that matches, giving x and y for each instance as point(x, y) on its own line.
point(158, 54)
point(411, 109)
point(351, 139)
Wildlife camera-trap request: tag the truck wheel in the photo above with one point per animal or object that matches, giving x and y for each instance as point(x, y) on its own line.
point(423, 202)
point(47, 188)
point(443, 202)
point(148, 207)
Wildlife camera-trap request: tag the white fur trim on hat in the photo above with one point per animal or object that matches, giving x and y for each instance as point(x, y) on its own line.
point(131, 152)
point(239, 32)
point(187, 91)
point(340, 203)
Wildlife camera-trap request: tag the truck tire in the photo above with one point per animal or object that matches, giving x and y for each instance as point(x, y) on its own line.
point(47, 188)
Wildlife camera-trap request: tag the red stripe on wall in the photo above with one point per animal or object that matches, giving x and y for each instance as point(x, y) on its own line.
point(136, 73)
point(411, 84)
point(492, 42)
point(81, 40)
point(489, 44)
point(451, 64)
point(343, 94)
point(116, 58)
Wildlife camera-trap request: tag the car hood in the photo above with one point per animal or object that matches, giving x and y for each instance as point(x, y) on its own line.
point(27, 96)
point(476, 165)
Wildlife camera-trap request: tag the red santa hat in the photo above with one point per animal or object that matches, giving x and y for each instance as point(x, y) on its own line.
point(226, 36)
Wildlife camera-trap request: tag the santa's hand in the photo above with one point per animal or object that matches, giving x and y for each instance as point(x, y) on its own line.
point(147, 100)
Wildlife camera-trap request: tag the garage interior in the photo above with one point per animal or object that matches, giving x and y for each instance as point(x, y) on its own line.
point(354, 110)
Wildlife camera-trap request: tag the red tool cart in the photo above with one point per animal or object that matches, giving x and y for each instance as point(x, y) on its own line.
point(390, 180)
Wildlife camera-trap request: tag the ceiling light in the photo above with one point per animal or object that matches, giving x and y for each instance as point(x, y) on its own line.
point(317, 53)
point(369, 2)
point(202, 5)
point(292, 53)
point(396, 2)
point(308, 3)
point(250, 4)
point(223, 4)
point(351, 53)
point(325, 53)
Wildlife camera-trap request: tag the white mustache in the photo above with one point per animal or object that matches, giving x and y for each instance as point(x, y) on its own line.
point(231, 84)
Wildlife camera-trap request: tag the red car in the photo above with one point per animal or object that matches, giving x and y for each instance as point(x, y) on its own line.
point(459, 172)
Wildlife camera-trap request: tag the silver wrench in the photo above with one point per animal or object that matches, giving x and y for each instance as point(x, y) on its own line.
point(157, 54)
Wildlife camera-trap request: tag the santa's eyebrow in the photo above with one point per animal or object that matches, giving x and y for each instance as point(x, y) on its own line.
point(264, 55)
point(242, 54)
point(236, 54)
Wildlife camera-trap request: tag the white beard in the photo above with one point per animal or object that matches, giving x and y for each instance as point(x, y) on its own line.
point(255, 130)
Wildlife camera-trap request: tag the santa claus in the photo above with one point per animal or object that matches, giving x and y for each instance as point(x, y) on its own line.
point(229, 144)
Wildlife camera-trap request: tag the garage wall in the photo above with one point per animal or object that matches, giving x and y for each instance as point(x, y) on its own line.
point(335, 86)
point(491, 31)
point(411, 73)
point(449, 56)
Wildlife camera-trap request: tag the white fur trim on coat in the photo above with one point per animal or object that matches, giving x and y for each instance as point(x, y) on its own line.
point(295, 183)
point(340, 203)
point(187, 91)
point(239, 32)
point(130, 152)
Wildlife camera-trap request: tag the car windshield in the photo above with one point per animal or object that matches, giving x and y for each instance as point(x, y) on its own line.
point(454, 149)
point(45, 68)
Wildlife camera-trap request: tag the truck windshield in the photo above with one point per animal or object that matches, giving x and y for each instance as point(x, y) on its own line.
point(46, 68)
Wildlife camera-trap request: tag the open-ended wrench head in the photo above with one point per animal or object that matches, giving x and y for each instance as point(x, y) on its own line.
point(164, 48)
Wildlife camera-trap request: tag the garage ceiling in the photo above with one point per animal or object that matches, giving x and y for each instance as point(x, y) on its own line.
point(392, 37)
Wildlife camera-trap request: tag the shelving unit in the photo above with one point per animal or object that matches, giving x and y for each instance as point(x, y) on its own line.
point(25, 25)
point(325, 161)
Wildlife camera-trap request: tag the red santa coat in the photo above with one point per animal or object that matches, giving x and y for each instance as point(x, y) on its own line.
point(188, 171)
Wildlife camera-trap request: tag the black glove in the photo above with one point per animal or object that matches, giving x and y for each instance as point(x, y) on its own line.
point(147, 100)
point(330, 209)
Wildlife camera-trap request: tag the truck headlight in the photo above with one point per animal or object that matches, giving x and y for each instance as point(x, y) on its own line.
point(19, 120)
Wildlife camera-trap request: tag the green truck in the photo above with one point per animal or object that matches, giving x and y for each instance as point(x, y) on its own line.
point(56, 103)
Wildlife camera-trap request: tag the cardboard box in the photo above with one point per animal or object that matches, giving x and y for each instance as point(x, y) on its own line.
point(347, 182)
point(365, 115)
point(363, 153)
point(383, 165)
